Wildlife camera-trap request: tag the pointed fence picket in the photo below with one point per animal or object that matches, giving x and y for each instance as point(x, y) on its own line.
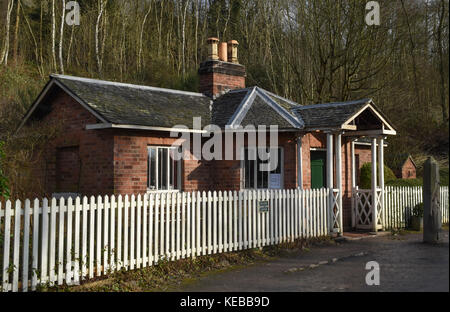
point(67, 241)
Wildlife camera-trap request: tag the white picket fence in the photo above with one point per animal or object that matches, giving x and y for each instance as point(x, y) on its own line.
point(66, 241)
point(399, 202)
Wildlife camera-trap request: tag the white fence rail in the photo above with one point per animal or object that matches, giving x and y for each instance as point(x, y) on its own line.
point(66, 241)
point(399, 202)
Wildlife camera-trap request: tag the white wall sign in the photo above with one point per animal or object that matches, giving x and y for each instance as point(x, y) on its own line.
point(275, 181)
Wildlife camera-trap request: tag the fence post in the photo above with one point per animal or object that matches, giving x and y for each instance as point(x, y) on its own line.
point(431, 203)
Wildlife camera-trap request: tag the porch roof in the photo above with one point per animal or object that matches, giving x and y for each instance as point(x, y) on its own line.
point(343, 115)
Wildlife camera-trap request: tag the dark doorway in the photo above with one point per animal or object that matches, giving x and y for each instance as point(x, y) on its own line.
point(318, 169)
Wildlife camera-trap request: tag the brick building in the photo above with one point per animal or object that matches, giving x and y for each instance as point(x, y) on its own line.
point(403, 166)
point(116, 137)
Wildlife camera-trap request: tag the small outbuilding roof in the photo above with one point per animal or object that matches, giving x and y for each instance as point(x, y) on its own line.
point(397, 161)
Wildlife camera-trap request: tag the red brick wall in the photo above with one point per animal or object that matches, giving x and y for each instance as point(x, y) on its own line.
point(310, 140)
point(215, 83)
point(130, 163)
point(408, 170)
point(67, 169)
point(94, 171)
point(226, 174)
point(363, 155)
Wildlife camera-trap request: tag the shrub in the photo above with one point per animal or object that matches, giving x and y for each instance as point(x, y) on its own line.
point(418, 210)
point(405, 182)
point(366, 176)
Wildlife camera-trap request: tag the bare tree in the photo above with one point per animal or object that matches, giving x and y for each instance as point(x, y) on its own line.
point(102, 4)
point(141, 36)
point(61, 37)
point(16, 33)
point(4, 57)
point(439, 32)
point(53, 35)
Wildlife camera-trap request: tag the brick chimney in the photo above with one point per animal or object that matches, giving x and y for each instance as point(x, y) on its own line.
point(221, 71)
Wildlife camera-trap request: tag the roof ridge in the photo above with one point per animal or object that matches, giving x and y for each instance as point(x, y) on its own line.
point(240, 90)
point(243, 106)
point(280, 97)
point(298, 122)
point(122, 84)
point(333, 104)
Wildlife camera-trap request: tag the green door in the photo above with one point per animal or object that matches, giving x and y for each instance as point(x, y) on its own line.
point(318, 169)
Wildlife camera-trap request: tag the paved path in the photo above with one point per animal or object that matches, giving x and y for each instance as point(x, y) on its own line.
point(406, 264)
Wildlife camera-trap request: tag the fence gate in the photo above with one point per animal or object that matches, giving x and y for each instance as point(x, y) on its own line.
point(363, 209)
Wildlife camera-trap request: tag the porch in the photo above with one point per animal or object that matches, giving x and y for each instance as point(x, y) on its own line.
point(343, 123)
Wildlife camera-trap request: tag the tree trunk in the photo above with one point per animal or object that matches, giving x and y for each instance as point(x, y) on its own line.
point(4, 57)
point(54, 35)
point(141, 37)
point(61, 37)
point(441, 63)
point(97, 31)
point(16, 33)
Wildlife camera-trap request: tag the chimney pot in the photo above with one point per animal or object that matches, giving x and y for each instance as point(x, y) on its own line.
point(233, 51)
point(212, 48)
point(221, 70)
point(223, 56)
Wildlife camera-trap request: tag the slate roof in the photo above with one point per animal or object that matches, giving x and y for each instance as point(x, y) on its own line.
point(330, 114)
point(134, 105)
point(263, 114)
point(226, 105)
point(254, 106)
point(130, 104)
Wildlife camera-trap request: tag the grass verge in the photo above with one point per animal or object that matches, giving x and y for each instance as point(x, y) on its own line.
point(168, 275)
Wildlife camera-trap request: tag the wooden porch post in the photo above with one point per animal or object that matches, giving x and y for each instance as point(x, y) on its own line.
point(374, 184)
point(353, 182)
point(339, 178)
point(299, 163)
point(381, 173)
point(330, 179)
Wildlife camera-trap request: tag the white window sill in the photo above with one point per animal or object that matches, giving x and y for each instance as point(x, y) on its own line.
point(261, 189)
point(162, 191)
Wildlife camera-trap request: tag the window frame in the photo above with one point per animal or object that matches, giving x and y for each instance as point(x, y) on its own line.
point(168, 173)
point(243, 149)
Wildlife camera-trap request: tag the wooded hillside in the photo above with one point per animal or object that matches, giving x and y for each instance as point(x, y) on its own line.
point(308, 51)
